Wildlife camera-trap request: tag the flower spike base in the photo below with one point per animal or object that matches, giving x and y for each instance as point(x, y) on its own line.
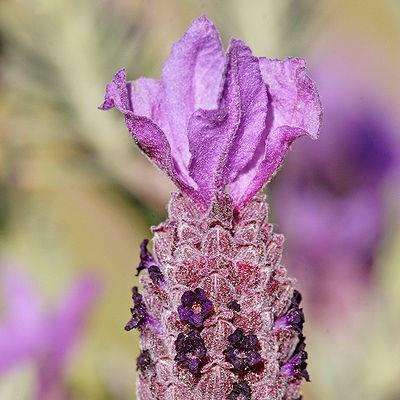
point(218, 316)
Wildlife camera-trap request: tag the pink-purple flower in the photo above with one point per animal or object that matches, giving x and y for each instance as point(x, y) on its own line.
point(28, 332)
point(140, 315)
point(243, 351)
point(195, 307)
point(217, 122)
point(225, 322)
point(190, 351)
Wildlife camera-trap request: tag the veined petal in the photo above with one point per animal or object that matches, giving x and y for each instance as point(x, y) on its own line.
point(191, 80)
point(141, 95)
point(222, 141)
point(294, 111)
point(253, 98)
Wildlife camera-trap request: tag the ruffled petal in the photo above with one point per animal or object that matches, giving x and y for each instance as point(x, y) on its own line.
point(222, 141)
point(294, 110)
point(137, 101)
point(191, 80)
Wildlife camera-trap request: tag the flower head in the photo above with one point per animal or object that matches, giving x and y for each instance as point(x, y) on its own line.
point(219, 125)
point(216, 122)
point(195, 307)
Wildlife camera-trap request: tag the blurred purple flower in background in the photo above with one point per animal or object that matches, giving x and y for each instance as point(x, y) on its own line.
point(333, 189)
point(29, 333)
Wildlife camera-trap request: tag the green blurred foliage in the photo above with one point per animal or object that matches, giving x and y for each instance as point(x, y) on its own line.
point(75, 193)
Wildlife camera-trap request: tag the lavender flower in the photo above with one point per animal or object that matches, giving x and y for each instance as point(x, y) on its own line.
point(219, 126)
point(29, 333)
point(144, 362)
point(147, 262)
point(190, 351)
point(242, 351)
point(195, 307)
point(296, 366)
point(140, 316)
point(241, 390)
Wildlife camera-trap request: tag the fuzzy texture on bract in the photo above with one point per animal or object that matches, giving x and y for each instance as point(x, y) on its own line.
point(221, 256)
point(217, 122)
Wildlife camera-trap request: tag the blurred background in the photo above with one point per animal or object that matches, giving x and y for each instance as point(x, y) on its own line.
point(75, 200)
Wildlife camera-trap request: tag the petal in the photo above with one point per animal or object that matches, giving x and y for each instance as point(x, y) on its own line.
point(295, 110)
point(222, 141)
point(64, 329)
point(68, 320)
point(147, 135)
point(253, 102)
point(191, 80)
point(145, 95)
point(22, 331)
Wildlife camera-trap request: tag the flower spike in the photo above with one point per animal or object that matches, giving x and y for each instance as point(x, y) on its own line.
point(227, 315)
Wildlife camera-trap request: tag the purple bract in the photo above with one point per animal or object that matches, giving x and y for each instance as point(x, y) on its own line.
point(215, 121)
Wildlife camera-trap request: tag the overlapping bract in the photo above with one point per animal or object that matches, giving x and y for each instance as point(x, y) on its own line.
point(215, 122)
point(228, 318)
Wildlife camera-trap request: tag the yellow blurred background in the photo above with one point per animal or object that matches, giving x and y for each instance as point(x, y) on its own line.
point(77, 196)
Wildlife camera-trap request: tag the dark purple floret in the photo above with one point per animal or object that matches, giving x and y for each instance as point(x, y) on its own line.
point(144, 362)
point(296, 366)
point(296, 298)
point(148, 262)
point(190, 351)
point(155, 274)
point(241, 390)
point(195, 307)
point(139, 312)
point(294, 317)
point(234, 306)
point(242, 351)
